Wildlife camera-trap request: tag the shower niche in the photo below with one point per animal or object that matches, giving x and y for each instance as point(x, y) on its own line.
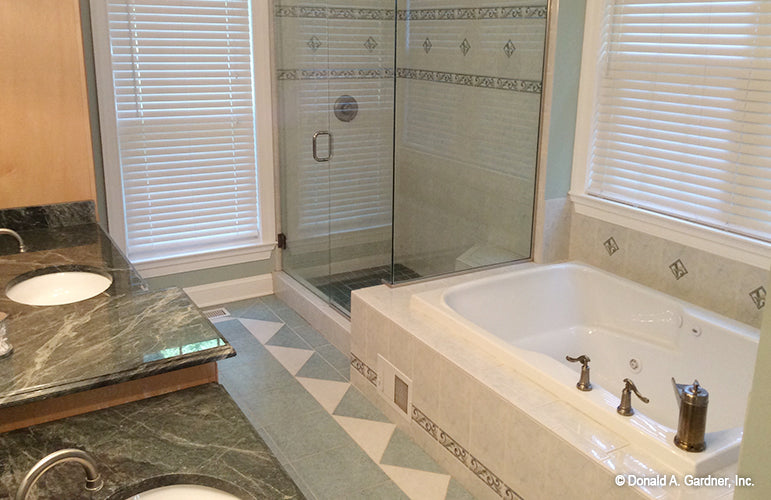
point(408, 138)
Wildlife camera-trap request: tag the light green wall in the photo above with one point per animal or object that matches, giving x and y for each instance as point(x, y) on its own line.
point(215, 274)
point(567, 64)
point(755, 456)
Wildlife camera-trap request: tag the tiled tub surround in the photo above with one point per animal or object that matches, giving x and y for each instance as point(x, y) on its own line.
point(728, 287)
point(195, 436)
point(534, 316)
point(492, 427)
point(123, 334)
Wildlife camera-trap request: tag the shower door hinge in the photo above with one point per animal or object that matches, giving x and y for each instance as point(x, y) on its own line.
point(282, 241)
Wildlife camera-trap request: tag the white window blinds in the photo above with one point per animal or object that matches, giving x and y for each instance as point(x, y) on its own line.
point(682, 124)
point(182, 77)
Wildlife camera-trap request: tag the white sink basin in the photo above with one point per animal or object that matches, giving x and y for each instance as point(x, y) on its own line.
point(184, 492)
point(57, 287)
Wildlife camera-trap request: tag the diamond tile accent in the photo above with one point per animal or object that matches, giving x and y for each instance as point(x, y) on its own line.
point(427, 45)
point(370, 44)
point(327, 392)
point(678, 269)
point(373, 437)
point(314, 43)
point(758, 296)
point(418, 483)
point(509, 49)
point(610, 245)
point(465, 46)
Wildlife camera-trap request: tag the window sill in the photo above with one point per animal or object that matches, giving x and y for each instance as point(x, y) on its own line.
point(730, 246)
point(152, 269)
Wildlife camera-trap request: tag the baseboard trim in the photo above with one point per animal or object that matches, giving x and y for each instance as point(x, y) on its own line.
point(230, 291)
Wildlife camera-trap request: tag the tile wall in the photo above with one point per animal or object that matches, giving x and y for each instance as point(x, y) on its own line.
point(465, 168)
point(725, 286)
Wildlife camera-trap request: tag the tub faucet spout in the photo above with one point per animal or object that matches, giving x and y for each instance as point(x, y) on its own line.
point(583, 383)
point(93, 480)
point(625, 407)
point(13, 233)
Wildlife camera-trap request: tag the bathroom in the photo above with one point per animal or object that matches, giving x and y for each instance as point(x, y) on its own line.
point(435, 206)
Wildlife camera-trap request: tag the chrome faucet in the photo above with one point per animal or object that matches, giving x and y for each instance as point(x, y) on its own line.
point(692, 421)
point(13, 233)
point(583, 383)
point(625, 407)
point(93, 481)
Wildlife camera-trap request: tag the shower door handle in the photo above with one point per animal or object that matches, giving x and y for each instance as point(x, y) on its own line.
point(315, 146)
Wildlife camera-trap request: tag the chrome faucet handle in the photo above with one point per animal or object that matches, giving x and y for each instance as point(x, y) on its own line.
point(583, 383)
point(625, 406)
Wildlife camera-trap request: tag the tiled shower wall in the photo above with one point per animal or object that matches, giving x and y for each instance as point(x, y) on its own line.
point(468, 99)
point(725, 286)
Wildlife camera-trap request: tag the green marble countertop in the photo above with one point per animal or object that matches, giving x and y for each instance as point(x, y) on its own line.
point(196, 436)
point(125, 333)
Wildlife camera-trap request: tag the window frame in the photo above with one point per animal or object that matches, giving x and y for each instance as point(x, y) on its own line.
point(729, 245)
point(261, 15)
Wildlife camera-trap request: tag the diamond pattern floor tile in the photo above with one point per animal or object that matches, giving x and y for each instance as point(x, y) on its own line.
point(419, 484)
point(292, 359)
point(403, 452)
point(317, 367)
point(336, 443)
point(262, 330)
point(354, 404)
point(327, 392)
point(285, 337)
point(372, 437)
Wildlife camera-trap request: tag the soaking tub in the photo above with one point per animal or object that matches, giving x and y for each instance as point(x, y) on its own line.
point(535, 316)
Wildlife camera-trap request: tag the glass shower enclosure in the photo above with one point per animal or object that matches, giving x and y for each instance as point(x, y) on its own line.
point(408, 138)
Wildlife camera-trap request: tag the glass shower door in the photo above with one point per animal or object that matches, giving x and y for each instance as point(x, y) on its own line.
point(306, 145)
point(335, 95)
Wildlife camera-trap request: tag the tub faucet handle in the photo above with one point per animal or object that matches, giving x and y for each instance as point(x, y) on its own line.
point(625, 407)
point(583, 383)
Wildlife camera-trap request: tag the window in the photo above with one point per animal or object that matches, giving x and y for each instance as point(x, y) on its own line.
point(185, 122)
point(676, 129)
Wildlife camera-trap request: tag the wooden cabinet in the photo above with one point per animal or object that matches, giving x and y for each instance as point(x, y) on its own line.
point(45, 137)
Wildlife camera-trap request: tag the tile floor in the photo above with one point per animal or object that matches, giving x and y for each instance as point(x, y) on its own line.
point(339, 286)
point(294, 388)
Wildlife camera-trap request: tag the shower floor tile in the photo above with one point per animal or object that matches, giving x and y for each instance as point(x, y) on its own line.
point(294, 388)
point(339, 286)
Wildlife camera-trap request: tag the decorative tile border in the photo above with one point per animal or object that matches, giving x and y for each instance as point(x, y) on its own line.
point(490, 82)
point(481, 81)
point(474, 13)
point(335, 74)
point(334, 12)
point(454, 14)
point(466, 458)
point(361, 367)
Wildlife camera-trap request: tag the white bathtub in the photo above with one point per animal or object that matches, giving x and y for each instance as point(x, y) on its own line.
point(537, 315)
